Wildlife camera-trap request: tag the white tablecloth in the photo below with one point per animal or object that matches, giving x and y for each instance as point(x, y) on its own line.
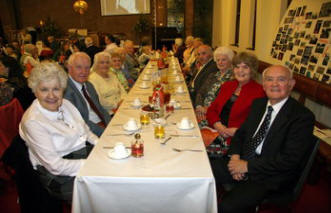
point(161, 181)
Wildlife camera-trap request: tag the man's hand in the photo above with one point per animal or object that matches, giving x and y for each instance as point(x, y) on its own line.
point(237, 166)
point(238, 176)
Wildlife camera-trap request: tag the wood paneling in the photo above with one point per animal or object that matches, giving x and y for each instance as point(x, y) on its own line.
point(61, 11)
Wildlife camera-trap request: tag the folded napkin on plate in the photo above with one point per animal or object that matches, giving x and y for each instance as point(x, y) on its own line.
point(208, 135)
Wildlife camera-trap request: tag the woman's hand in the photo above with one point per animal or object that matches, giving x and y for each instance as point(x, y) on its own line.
point(221, 129)
point(230, 131)
point(200, 112)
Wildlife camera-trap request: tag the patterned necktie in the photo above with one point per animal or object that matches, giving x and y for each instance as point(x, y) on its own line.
point(249, 152)
point(92, 105)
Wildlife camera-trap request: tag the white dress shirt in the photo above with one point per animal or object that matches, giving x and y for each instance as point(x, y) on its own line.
point(92, 116)
point(276, 109)
point(52, 135)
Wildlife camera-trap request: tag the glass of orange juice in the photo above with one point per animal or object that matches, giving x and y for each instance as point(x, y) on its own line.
point(159, 131)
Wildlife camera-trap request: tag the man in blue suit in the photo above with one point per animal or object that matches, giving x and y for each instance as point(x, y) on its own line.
point(82, 94)
point(270, 149)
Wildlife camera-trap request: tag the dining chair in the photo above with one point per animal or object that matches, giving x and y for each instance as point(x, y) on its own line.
point(32, 196)
point(287, 198)
point(10, 115)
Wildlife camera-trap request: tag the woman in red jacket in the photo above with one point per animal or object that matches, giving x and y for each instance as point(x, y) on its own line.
point(232, 105)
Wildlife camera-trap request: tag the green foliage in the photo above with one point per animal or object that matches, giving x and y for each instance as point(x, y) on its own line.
point(142, 25)
point(50, 29)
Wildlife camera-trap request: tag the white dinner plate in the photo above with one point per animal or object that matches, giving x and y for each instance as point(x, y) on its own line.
point(183, 128)
point(126, 128)
point(135, 105)
point(114, 156)
point(177, 106)
point(143, 86)
point(180, 92)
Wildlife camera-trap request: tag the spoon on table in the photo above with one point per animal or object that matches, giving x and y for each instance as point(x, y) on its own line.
point(166, 140)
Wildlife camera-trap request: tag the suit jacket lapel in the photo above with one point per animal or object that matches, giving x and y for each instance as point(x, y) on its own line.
point(79, 95)
point(258, 116)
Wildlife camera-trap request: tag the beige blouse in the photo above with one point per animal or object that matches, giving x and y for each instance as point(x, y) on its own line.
point(110, 90)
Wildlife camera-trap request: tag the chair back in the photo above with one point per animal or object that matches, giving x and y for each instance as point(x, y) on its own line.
point(287, 197)
point(10, 117)
point(306, 169)
point(33, 197)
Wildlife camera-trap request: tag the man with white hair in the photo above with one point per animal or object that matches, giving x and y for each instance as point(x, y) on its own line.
point(83, 95)
point(269, 151)
point(130, 59)
point(198, 75)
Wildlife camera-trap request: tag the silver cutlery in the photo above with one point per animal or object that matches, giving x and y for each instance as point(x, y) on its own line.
point(189, 136)
point(112, 147)
point(166, 140)
point(125, 134)
point(191, 150)
point(167, 116)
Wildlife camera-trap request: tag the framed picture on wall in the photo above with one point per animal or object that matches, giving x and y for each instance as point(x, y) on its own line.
point(325, 10)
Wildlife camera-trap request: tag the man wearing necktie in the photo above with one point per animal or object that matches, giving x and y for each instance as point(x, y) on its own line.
point(269, 150)
point(82, 94)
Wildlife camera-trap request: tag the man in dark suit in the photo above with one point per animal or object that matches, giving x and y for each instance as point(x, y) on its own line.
point(91, 49)
point(199, 73)
point(82, 94)
point(269, 150)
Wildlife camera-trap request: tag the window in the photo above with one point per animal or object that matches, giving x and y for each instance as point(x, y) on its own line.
point(253, 29)
point(236, 36)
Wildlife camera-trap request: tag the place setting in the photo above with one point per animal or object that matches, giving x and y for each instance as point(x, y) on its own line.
point(119, 151)
point(130, 128)
point(180, 90)
point(144, 85)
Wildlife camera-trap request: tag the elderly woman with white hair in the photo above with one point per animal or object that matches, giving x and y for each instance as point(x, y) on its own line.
point(109, 89)
point(55, 133)
point(208, 92)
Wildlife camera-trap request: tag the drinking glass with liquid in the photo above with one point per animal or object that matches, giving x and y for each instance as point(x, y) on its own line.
point(159, 131)
point(144, 118)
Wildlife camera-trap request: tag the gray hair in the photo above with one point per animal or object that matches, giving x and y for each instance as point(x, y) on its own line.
point(47, 71)
point(178, 41)
point(279, 66)
point(97, 59)
point(224, 51)
point(189, 39)
point(75, 55)
point(88, 41)
point(127, 43)
point(29, 48)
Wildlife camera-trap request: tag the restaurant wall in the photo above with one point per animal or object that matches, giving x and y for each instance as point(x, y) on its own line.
point(62, 13)
point(268, 17)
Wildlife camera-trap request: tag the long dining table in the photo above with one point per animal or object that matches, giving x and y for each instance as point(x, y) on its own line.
point(163, 180)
